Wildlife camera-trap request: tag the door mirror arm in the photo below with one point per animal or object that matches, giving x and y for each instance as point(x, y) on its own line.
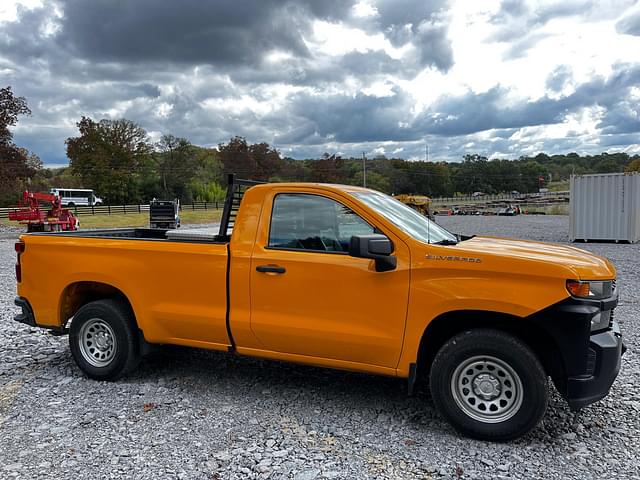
point(376, 247)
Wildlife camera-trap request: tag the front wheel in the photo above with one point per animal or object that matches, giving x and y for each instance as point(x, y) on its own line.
point(103, 339)
point(489, 385)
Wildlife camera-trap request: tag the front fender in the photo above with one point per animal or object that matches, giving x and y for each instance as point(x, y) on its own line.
point(438, 291)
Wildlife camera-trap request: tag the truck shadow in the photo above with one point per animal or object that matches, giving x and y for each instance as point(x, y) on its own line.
point(298, 390)
point(271, 390)
point(248, 382)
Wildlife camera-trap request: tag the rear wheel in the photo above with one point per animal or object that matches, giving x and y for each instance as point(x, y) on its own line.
point(489, 385)
point(103, 339)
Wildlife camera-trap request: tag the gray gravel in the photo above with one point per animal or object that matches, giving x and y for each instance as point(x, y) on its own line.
point(192, 414)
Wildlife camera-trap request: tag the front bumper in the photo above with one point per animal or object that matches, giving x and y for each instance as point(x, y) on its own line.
point(604, 358)
point(588, 362)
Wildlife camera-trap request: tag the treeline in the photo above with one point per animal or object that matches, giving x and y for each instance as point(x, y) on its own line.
point(117, 159)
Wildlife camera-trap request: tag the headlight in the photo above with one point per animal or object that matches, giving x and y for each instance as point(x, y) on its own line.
point(595, 290)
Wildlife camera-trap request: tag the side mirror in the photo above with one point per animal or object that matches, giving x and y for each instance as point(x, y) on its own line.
point(377, 247)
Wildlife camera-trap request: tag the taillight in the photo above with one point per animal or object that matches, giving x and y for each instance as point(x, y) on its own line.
point(19, 246)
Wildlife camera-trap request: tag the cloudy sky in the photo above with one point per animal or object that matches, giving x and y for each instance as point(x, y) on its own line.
point(499, 78)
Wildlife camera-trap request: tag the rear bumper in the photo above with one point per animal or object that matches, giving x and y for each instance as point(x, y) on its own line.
point(26, 316)
point(604, 358)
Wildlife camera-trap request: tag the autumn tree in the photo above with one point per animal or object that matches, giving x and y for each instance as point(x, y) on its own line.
point(633, 166)
point(258, 161)
point(236, 158)
point(267, 161)
point(110, 156)
point(329, 169)
point(17, 165)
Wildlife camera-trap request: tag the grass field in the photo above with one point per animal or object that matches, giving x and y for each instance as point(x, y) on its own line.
point(561, 186)
point(187, 217)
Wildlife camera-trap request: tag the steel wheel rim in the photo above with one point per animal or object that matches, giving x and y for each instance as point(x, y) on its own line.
point(487, 389)
point(97, 342)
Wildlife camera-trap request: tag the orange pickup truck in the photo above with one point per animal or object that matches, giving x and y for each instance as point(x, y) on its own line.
point(341, 277)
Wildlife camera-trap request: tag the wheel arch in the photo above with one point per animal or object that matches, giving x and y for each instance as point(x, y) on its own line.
point(446, 325)
point(78, 294)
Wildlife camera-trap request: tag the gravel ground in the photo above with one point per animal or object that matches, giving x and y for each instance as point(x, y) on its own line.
point(192, 414)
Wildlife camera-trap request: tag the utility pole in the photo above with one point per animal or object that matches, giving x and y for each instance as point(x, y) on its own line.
point(426, 150)
point(364, 171)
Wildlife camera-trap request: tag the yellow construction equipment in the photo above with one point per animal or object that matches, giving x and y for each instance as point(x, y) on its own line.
point(420, 203)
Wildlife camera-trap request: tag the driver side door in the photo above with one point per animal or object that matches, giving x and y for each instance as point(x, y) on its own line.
point(309, 297)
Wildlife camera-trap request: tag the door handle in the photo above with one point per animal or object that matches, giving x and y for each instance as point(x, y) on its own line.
point(270, 269)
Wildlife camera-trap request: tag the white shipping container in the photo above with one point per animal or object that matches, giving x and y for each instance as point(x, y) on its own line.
point(605, 207)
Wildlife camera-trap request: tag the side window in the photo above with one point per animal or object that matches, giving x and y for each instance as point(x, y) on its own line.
point(312, 222)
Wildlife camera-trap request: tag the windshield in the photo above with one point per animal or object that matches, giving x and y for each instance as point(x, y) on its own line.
point(406, 218)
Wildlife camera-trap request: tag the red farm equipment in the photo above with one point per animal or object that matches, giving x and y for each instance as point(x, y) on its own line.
point(43, 217)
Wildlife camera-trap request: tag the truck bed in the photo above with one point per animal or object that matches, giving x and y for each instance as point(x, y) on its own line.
point(176, 286)
point(146, 234)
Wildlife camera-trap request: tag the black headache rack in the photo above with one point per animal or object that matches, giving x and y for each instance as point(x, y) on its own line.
point(235, 191)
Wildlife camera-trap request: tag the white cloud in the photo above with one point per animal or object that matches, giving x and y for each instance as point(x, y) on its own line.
point(379, 89)
point(9, 8)
point(364, 9)
point(337, 39)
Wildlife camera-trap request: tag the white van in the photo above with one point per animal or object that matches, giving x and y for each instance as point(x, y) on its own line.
point(76, 196)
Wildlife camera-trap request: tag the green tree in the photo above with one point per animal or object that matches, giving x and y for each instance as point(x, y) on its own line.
point(109, 157)
point(207, 184)
point(607, 165)
point(208, 192)
point(531, 172)
point(472, 175)
point(375, 181)
point(176, 161)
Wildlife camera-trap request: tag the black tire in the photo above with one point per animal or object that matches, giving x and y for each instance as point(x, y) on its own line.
point(104, 340)
point(507, 390)
point(71, 204)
